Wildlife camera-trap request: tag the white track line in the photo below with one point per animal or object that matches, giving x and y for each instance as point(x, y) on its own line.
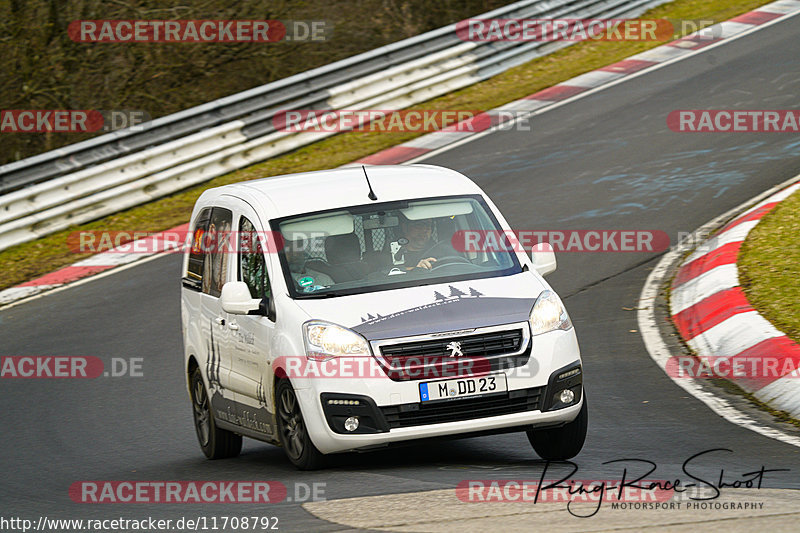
point(660, 352)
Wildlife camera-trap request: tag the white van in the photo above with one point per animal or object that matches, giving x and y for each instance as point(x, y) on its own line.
point(356, 308)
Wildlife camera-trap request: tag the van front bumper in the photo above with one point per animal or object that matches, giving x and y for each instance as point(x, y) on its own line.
point(525, 408)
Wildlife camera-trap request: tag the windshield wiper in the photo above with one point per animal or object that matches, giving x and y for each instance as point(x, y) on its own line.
point(315, 295)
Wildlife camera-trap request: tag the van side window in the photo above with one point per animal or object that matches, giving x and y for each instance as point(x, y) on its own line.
point(217, 247)
point(252, 264)
point(194, 270)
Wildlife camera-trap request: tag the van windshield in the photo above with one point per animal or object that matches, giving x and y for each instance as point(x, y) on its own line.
point(391, 245)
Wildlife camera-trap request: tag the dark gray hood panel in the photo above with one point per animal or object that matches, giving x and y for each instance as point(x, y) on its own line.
point(446, 315)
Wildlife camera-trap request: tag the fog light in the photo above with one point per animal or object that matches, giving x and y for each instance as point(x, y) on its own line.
point(351, 424)
point(567, 396)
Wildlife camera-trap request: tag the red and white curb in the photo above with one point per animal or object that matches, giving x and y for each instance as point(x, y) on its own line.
point(712, 314)
point(483, 122)
point(539, 101)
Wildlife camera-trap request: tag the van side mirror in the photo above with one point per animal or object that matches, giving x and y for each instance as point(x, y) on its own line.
point(543, 258)
point(236, 300)
point(266, 308)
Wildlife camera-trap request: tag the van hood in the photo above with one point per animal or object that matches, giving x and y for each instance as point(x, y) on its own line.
point(435, 308)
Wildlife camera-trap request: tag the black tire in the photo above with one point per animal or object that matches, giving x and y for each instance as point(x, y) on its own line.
point(216, 443)
point(565, 442)
point(292, 429)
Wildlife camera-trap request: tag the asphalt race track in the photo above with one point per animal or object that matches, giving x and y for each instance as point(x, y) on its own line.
point(606, 161)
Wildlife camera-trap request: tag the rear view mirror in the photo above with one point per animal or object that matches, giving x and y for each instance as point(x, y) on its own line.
point(236, 299)
point(380, 222)
point(543, 258)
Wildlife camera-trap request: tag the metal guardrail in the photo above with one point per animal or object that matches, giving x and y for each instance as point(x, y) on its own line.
point(112, 172)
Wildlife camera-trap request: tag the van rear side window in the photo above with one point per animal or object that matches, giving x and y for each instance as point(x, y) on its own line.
point(194, 270)
point(208, 258)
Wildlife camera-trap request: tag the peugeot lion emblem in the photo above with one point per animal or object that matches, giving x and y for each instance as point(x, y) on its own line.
point(455, 349)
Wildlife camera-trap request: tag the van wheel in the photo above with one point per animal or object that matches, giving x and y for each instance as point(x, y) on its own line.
point(560, 444)
point(292, 429)
point(216, 443)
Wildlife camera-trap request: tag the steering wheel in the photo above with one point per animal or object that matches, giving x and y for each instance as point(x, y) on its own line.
point(449, 260)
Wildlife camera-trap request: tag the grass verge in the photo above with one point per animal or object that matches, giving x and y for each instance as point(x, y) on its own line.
point(769, 267)
point(32, 259)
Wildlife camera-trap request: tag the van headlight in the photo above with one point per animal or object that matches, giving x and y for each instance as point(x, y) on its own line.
point(548, 314)
point(325, 341)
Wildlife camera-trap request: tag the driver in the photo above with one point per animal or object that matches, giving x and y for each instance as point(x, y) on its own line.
point(415, 247)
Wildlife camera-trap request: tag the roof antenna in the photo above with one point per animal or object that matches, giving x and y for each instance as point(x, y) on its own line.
point(371, 194)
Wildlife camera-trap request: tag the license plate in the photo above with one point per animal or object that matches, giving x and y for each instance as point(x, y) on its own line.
point(462, 388)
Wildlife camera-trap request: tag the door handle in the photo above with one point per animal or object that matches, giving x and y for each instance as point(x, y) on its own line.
point(219, 321)
point(233, 326)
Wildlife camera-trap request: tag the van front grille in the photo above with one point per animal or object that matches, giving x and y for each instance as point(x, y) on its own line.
point(482, 345)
